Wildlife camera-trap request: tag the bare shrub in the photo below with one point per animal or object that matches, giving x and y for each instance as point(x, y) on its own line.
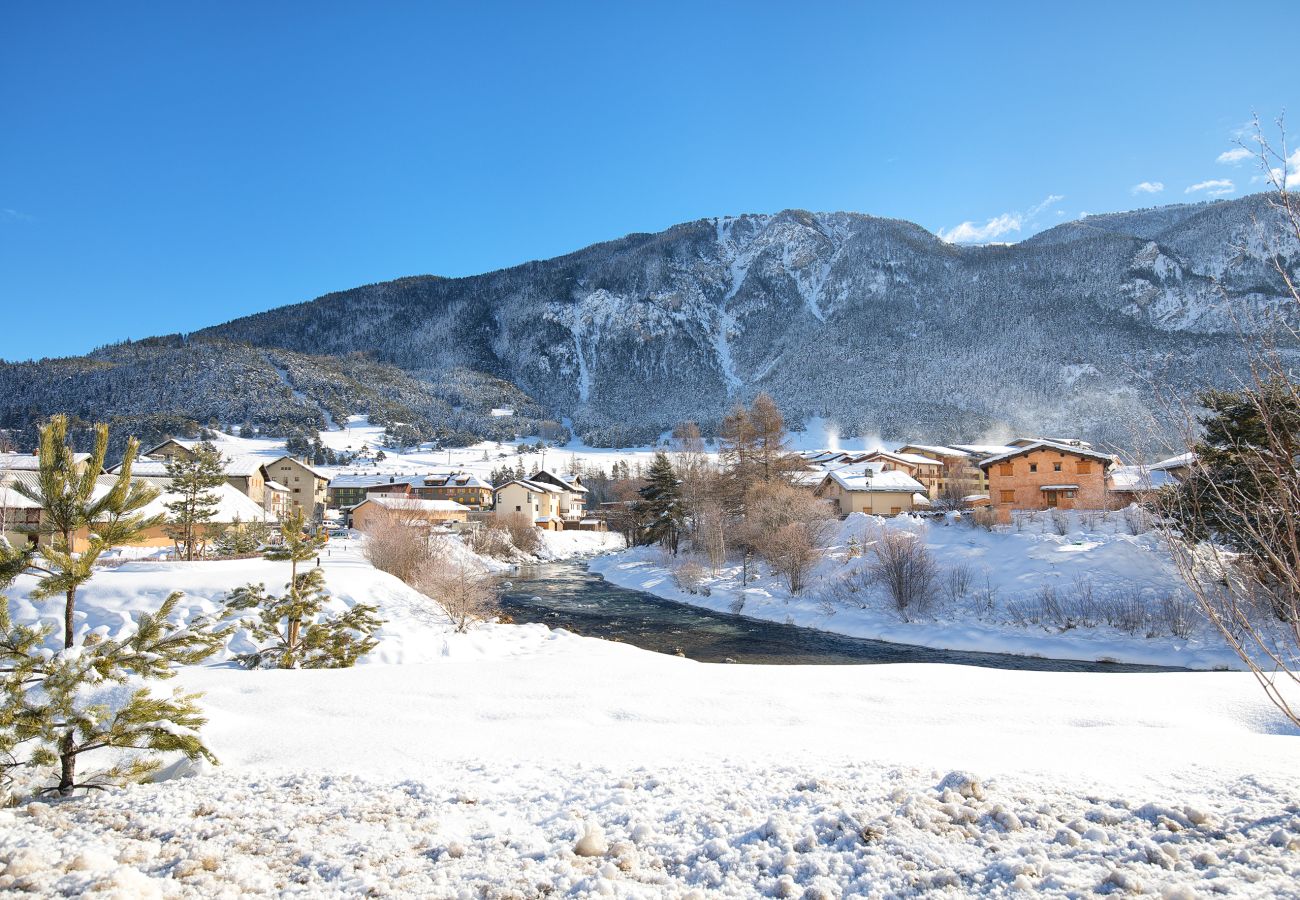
point(688, 575)
point(986, 597)
point(1088, 519)
point(493, 541)
point(1060, 521)
point(396, 547)
point(903, 565)
point(982, 517)
point(1127, 612)
point(711, 533)
point(786, 526)
point(523, 533)
point(792, 551)
point(958, 580)
point(467, 594)
point(1179, 615)
point(1136, 519)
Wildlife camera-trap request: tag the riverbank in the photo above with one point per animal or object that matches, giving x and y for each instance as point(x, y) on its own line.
point(1002, 607)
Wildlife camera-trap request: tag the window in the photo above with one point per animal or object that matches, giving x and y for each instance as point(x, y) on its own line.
point(895, 510)
point(1008, 496)
point(1005, 469)
point(1033, 467)
point(519, 509)
point(1056, 467)
point(1083, 467)
point(296, 491)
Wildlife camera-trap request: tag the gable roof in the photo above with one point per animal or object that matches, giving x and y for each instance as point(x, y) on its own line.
point(1046, 445)
point(873, 481)
point(936, 449)
point(30, 462)
point(409, 504)
point(539, 487)
point(568, 481)
point(984, 449)
point(373, 480)
point(911, 459)
point(278, 459)
point(458, 478)
point(1138, 478)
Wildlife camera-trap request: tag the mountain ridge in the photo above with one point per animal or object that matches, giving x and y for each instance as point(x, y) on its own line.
point(871, 322)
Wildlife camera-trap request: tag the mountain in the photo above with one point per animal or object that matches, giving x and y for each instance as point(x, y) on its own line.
point(873, 323)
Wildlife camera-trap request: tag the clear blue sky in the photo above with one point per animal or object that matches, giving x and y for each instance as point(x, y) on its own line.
point(169, 166)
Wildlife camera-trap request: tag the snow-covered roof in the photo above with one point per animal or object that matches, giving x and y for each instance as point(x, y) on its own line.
point(540, 488)
point(1139, 478)
point(985, 449)
point(1180, 461)
point(1058, 487)
point(244, 464)
point(566, 479)
point(1045, 445)
point(912, 459)
point(408, 504)
point(937, 449)
point(9, 496)
point(156, 468)
point(920, 500)
point(187, 444)
point(231, 504)
point(30, 462)
point(276, 486)
point(859, 479)
point(458, 479)
point(375, 480)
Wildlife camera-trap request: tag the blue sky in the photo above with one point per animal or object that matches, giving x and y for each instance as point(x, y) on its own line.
point(169, 166)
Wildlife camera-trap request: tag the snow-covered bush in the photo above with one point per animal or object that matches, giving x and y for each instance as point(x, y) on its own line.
point(905, 568)
point(523, 533)
point(467, 594)
point(689, 576)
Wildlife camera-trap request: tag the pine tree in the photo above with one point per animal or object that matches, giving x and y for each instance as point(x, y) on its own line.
point(240, 538)
point(66, 701)
point(661, 505)
point(192, 482)
point(300, 638)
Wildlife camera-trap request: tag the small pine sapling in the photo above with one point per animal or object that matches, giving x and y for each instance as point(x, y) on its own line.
point(68, 702)
point(300, 636)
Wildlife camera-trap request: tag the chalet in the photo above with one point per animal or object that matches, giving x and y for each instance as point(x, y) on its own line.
point(1046, 475)
point(870, 488)
point(979, 453)
point(464, 488)
point(408, 511)
point(243, 473)
point(539, 500)
point(169, 448)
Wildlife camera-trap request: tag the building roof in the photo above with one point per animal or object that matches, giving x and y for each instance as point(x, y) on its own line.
point(30, 462)
point(1139, 478)
point(911, 459)
point(409, 504)
point(187, 444)
point(1046, 445)
point(1058, 487)
point(1180, 461)
point(866, 479)
point(936, 449)
point(541, 488)
point(454, 479)
point(143, 466)
point(566, 479)
point(373, 480)
point(9, 496)
point(984, 449)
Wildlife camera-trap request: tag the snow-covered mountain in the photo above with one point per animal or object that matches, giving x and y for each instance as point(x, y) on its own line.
point(875, 324)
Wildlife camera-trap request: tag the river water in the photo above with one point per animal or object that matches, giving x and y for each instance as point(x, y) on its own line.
point(566, 595)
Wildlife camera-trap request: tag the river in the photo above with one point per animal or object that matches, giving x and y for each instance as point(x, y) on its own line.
point(566, 595)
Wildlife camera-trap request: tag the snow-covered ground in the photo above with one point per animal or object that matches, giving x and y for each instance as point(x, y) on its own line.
point(517, 761)
point(1096, 571)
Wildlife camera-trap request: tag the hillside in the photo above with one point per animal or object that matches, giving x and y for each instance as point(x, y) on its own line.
point(872, 323)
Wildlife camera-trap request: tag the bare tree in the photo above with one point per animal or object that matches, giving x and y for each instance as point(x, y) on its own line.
point(903, 565)
point(396, 547)
point(785, 525)
point(469, 595)
point(1234, 522)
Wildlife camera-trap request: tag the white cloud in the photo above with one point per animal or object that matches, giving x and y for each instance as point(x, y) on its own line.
point(996, 227)
point(1215, 187)
point(1149, 187)
point(1232, 157)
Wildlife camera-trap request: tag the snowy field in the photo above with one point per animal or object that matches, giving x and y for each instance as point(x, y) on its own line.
point(518, 761)
point(1097, 572)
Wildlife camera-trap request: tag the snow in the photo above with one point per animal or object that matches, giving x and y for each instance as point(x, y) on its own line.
point(1008, 571)
point(522, 761)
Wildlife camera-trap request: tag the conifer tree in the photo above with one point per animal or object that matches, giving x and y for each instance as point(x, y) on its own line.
point(661, 506)
point(192, 481)
point(300, 637)
point(65, 701)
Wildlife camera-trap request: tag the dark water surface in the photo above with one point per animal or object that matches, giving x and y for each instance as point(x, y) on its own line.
point(566, 595)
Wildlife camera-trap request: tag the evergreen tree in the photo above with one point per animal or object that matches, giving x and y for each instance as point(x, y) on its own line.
point(300, 637)
point(242, 537)
point(661, 507)
point(192, 481)
point(67, 703)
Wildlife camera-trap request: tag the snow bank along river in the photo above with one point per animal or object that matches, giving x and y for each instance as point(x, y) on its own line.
point(567, 595)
